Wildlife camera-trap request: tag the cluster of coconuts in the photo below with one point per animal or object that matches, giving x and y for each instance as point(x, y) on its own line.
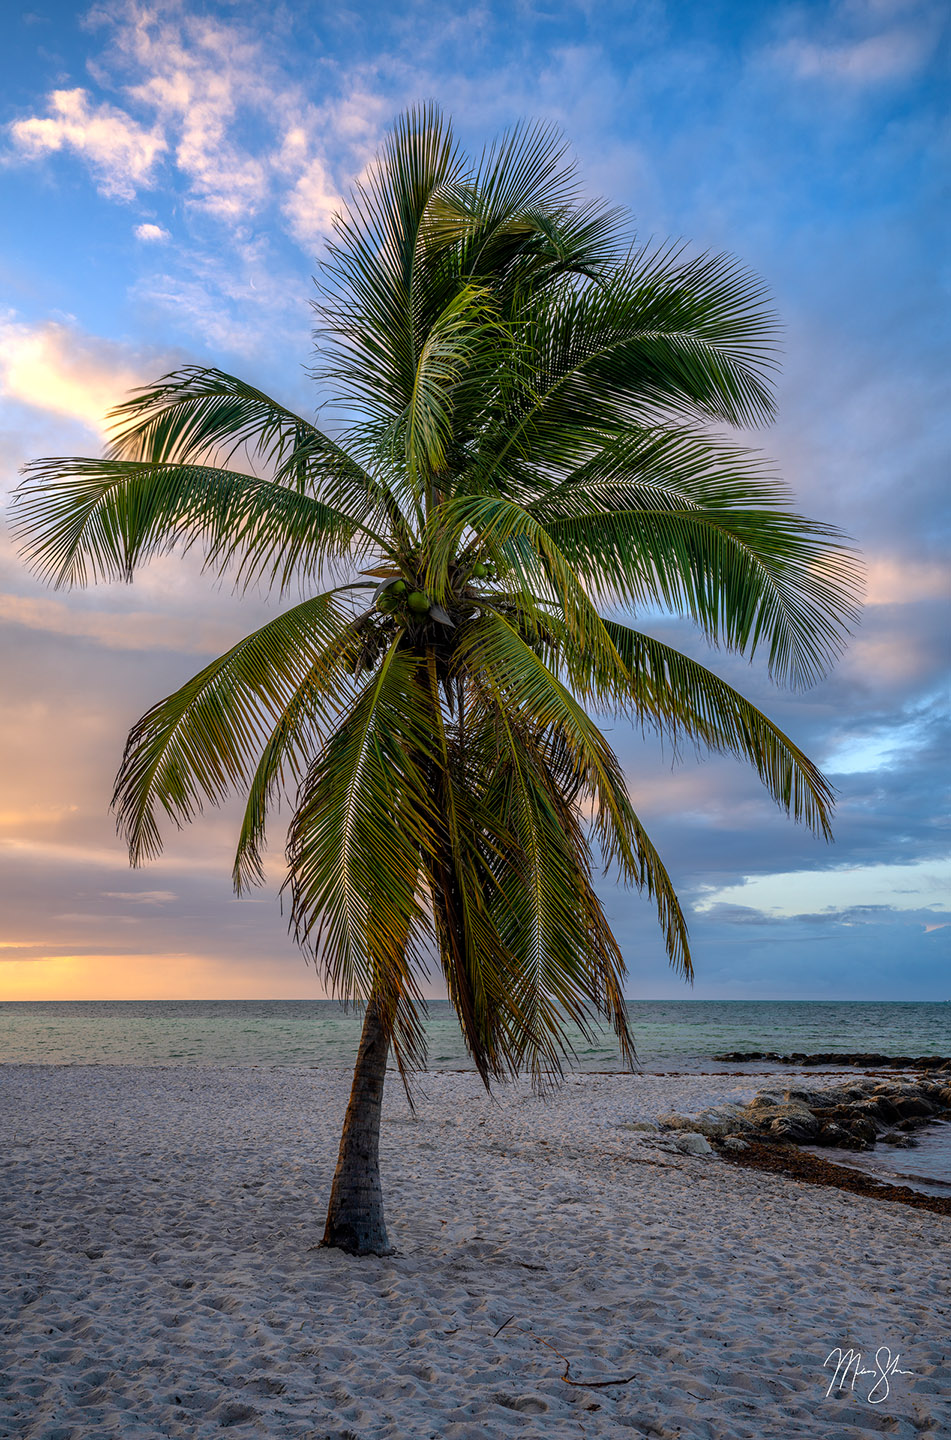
point(395, 596)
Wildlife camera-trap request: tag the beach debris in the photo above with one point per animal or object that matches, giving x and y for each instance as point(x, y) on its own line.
point(811, 1169)
point(581, 1384)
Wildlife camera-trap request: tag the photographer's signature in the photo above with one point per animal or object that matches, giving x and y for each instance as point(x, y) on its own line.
point(849, 1369)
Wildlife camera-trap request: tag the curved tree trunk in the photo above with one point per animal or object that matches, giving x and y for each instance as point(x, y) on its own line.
point(355, 1220)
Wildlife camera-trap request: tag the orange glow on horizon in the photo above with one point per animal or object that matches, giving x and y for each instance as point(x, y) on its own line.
point(152, 977)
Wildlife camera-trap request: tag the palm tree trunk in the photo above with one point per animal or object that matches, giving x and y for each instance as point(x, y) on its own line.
point(355, 1220)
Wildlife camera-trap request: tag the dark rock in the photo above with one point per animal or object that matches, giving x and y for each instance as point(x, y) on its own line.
point(909, 1106)
point(795, 1129)
point(847, 1116)
point(832, 1134)
point(861, 1129)
point(867, 1060)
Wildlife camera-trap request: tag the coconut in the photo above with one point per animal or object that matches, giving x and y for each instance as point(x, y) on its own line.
point(418, 602)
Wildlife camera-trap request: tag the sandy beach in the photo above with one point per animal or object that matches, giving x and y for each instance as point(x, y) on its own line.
point(161, 1275)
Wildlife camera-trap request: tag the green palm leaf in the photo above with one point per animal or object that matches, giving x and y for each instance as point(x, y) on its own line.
point(205, 739)
point(88, 520)
point(546, 911)
point(683, 699)
point(518, 679)
point(747, 578)
point(363, 822)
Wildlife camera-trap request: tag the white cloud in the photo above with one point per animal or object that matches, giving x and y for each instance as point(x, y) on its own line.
point(229, 307)
point(54, 367)
point(203, 79)
point(211, 96)
point(151, 234)
point(808, 892)
point(141, 897)
point(312, 201)
point(880, 750)
point(863, 42)
point(120, 152)
point(36, 815)
point(894, 581)
point(196, 75)
point(131, 630)
point(890, 56)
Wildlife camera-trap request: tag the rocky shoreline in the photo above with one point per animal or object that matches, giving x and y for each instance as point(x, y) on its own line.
point(863, 1060)
point(766, 1133)
point(854, 1116)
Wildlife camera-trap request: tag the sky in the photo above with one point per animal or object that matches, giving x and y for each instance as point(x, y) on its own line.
point(168, 175)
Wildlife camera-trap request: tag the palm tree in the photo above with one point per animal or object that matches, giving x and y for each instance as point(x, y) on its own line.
point(530, 431)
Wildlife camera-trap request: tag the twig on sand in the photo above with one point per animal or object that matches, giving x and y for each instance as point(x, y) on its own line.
point(581, 1384)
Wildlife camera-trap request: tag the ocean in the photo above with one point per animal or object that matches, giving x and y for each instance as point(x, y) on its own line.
point(670, 1034)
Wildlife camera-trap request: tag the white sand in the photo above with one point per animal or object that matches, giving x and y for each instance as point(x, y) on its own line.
point(160, 1275)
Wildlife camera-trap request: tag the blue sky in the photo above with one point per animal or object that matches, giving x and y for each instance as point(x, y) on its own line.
point(169, 173)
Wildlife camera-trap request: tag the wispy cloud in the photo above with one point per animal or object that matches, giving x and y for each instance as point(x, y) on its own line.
point(891, 56)
point(312, 201)
point(131, 630)
point(860, 42)
point(36, 815)
point(55, 367)
point(209, 96)
point(142, 897)
point(195, 75)
point(893, 581)
point(121, 153)
point(920, 886)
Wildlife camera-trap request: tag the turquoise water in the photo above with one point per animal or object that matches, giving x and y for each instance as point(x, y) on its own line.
point(670, 1034)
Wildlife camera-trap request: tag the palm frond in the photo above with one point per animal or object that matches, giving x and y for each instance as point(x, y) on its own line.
point(205, 740)
point(531, 562)
point(520, 218)
point(478, 968)
point(85, 520)
point(747, 578)
point(375, 273)
point(463, 339)
point(543, 904)
point(201, 415)
point(515, 677)
point(660, 337)
point(683, 699)
point(364, 820)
